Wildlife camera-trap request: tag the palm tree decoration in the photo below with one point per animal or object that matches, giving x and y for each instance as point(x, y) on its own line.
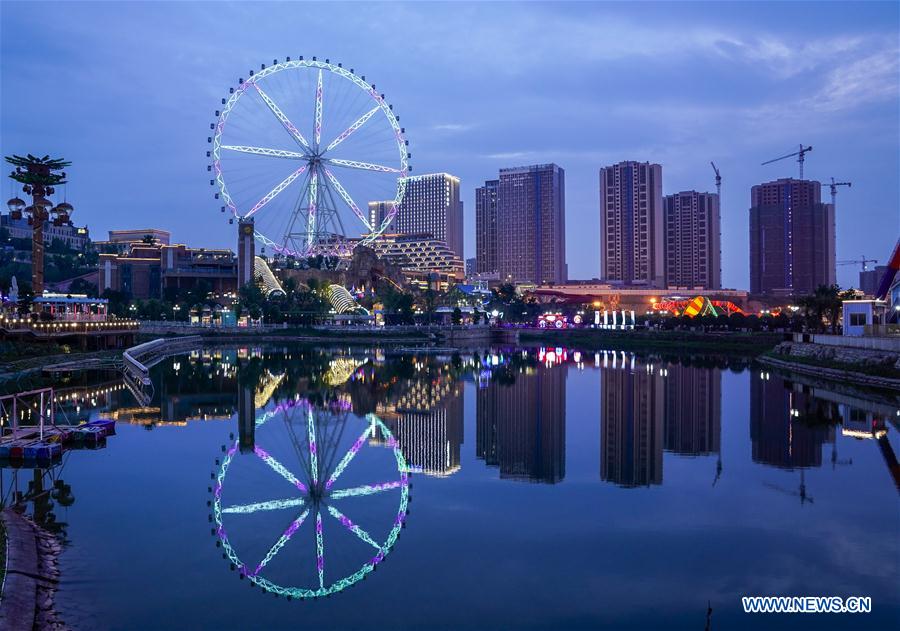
point(39, 177)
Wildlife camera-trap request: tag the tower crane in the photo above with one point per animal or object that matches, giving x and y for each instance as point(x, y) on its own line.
point(860, 261)
point(834, 186)
point(800, 157)
point(718, 181)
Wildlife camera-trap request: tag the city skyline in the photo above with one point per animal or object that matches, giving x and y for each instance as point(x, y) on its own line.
point(133, 106)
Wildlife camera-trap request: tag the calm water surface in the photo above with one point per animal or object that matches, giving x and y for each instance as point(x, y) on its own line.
point(546, 489)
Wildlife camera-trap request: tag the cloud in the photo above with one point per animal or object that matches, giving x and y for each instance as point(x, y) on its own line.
point(452, 127)
point(861, 81)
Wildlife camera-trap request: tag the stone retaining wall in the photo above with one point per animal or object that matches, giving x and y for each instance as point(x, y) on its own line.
point(842, 354)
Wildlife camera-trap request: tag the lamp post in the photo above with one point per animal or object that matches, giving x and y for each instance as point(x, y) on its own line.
point(38, 177)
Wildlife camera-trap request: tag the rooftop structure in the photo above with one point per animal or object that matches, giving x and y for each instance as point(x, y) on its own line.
point(419, 253)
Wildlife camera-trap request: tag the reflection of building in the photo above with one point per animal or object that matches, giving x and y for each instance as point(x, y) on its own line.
point(693, 410)
point(631, 224)
point(531, 224)
point(693, 254)
point(631, 426)
point(521, 428)
point(778, 439)
point(427, 421)
point(791, 238)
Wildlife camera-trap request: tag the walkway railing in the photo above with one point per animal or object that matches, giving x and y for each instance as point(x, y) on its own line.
point(182, 325)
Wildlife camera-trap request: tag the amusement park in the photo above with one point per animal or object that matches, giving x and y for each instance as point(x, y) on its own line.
point(257, 372)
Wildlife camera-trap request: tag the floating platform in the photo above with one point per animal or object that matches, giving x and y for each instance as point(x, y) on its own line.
point(28, 447)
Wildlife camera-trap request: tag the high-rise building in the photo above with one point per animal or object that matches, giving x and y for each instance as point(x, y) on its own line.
point(692, 240)
point(631, 426)
point(531, 224)
point(791, 238)
point(486, 227)
point(521, 426)
point(870, 279)
point(631, 224)
point(431, 205)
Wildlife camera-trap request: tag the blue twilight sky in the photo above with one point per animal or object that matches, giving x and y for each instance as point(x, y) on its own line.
point(126, 91)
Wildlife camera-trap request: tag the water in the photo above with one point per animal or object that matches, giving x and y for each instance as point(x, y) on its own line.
point(550, 490)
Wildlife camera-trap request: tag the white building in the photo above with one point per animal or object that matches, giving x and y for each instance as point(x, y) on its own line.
point(73, 236)
point(858, 314)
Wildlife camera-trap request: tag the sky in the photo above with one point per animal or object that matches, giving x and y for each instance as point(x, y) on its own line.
point(127, 92)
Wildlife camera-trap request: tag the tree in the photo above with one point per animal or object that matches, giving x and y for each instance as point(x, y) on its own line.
point(26, 297)
point(118, 302)
point(81, 286)
point(824, 302)
point(429, 298)
point(251, 298)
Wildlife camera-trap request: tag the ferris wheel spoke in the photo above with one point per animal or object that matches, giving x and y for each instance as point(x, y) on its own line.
point(265, 151)
point(320, 551)
point(351, 453)
point(366, 166)
point(313, 456)
point(288, 125)
point(283, 539)
point(243, 509)
point(355, 126)
point(356, 530)
point(318, 130)
point(279, 468)
point(367, 489)
point(347, 199)
point(275, 191)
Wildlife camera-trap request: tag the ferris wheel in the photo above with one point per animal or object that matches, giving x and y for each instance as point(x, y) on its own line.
point(301, 148)
point(293, 483)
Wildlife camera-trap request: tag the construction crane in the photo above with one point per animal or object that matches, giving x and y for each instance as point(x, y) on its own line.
point(718, 181)
point(834, 186)
point(800, 157)
point(860, 261)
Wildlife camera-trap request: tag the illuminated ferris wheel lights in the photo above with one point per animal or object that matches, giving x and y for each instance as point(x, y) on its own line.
point(317, 225)
point(318, 499)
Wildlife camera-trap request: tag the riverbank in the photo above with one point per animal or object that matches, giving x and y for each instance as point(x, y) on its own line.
point(711, 342)
point(31, 574)
point(831, 371)
point(36, 363)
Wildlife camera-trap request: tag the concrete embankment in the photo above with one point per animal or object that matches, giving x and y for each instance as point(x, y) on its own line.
point(862, 366)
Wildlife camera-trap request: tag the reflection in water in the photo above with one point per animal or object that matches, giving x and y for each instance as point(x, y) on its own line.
point(631, 421)
point(41, 492)
point(521, 423)
point(654, 412)
point(693, 410)
point(787, 428)
point(294, 471)
point(427, 421)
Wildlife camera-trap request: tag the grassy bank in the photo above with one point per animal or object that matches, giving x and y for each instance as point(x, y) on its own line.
point(656, 340)
point(303, 334)
point(873, 370)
